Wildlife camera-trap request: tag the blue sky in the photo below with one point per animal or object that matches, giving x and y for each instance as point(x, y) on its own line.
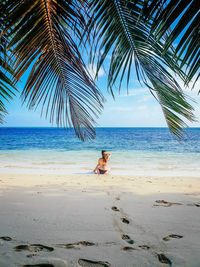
point(138, 108)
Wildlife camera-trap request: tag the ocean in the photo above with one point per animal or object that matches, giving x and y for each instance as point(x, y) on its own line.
point(135, 151)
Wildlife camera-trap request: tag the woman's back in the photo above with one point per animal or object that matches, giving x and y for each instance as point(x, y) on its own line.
point(103, 164)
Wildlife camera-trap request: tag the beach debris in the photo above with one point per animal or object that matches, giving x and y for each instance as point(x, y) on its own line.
point(115, 208)
point(168, 237)
point(33, 247)
point(127, 239)
point(124, 220)
point(6, 238)
point(144, 247)
point(166, 203)
point(128, 248)
point(163, 259)
point(90, 263)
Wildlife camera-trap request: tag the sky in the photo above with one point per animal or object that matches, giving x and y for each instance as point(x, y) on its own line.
point(135, 108)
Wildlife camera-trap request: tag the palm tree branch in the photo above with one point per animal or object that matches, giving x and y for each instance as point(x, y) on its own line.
point(7, 89)
point(58, 77)
point(122, 30)
point(183, 18)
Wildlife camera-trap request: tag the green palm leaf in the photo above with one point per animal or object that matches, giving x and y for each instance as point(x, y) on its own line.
point(183, 18)
point(41, 35)
point(120, 26)
point(7, 89)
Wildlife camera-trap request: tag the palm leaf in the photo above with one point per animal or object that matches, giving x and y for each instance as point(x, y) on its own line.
point(183, 18)
point(42, 37)
point(7, 89)
point(122, 28)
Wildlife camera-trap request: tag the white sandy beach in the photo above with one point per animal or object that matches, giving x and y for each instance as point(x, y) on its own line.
point(54, 212)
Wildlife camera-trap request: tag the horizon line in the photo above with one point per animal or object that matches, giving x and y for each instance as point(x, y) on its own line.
point(56, 127)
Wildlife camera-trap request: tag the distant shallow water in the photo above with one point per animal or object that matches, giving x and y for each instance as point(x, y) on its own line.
point(135, 151)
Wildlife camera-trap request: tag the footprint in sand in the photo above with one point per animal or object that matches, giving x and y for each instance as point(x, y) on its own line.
point(86, 243)
point(124, 220)
point(68, 246)
point(166, 203)
point(74, 245)
point(114, 208)
point(31, 255)
point(50, 262)
point(163, 259)
point(33, 247)
point(127, 239)
point(39, 265)
point(89, 263)
point(6, 238)
point(128, 248)
point(145, 247)
point(194, 204)
point(168, 237)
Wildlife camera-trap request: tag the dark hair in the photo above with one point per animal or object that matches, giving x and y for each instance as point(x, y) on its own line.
point(102, 152)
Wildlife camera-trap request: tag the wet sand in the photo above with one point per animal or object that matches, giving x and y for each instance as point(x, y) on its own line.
point(90, 220)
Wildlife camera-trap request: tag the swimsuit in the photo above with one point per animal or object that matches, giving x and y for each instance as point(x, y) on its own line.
point(102, 171)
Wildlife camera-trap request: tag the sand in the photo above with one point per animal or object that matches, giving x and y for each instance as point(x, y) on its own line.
point(91, 220)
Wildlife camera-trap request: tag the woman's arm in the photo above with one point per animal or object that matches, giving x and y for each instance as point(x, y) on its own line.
point(108, 155)
point(96, 170)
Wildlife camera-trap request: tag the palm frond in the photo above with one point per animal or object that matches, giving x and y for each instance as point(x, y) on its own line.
point(183, 18)
point(7, 89)
point(42, 37)
point(120, 28)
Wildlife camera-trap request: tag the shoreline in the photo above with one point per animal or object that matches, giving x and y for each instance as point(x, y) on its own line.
point(83, 162)
point(75, 217)
point(157, 172)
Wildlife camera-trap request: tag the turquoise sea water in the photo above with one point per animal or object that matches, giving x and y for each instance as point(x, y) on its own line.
point(136, 151)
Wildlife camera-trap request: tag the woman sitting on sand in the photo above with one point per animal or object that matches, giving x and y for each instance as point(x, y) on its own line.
point(102, 166)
